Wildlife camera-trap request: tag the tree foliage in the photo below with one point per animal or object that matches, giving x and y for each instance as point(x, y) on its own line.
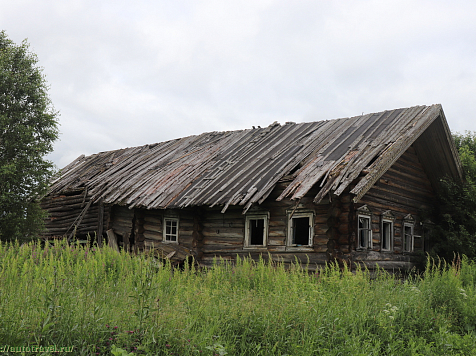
point(456, 226)
point(28, 128)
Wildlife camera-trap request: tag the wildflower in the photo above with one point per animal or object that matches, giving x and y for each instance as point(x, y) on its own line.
point(167, 345)
point(391, 317)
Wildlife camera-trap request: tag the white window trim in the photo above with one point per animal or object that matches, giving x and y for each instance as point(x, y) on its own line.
point(390, 245)
point(370, 244)
point(412, 238)
point(164, 239)
point(247, 230)
point(309, 215)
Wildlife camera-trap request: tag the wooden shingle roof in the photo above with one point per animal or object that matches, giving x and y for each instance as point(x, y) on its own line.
point(242, 167)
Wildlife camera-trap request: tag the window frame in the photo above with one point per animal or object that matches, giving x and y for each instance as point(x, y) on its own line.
point(412, 237)
point(359, 229)
point(383, 237)
point(387, 218)
point(256, 216)
point(408, 221)
point(297, 215)
point(164, 238)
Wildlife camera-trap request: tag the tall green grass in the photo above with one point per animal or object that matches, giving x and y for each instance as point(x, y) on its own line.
point(92, 299)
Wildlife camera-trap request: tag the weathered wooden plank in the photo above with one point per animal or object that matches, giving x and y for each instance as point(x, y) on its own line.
point(111, 239)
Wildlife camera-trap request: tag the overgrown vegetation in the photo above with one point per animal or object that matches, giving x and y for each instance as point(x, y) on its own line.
point(28, 128)
point(456, 223)
point(103, 302)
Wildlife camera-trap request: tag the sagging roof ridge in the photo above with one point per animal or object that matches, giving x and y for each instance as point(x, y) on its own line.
point(242, 167)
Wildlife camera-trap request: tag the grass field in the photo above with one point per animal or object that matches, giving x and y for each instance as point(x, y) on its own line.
point(98, 301)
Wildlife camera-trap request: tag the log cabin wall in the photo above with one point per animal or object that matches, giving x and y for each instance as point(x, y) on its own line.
point(65, 211)
point(148, 230)
point(122, 223)
point(206, 233)
point(224, 234)
point(404, 189)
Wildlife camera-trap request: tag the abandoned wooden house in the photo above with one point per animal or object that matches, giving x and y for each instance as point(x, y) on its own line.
point(356, 189)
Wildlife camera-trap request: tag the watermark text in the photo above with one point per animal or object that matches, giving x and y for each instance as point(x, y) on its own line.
point(54, 348)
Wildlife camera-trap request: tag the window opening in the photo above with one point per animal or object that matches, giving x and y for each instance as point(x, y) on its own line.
point(301, 229)
point(408, 238)
point(365, 232)
point(256, 230)
point(387, 235)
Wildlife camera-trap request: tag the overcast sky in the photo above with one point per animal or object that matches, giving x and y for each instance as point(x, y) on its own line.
point(128, 73)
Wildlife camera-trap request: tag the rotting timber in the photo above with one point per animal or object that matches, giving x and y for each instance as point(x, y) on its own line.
point(363, 185)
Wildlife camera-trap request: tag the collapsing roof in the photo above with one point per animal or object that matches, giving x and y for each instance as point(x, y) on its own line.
point(242, 167)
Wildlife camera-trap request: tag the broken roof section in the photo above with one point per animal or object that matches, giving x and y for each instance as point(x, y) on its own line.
point(242, 167)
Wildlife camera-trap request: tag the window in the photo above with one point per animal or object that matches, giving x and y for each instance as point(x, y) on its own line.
point(300, 229)
point(408, 237)
point(171, 229)
point(256, 230)
point(387, 235)
point(364, 232)
point(386, 232)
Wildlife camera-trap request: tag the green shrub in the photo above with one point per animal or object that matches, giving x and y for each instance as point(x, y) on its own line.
point(92, 299)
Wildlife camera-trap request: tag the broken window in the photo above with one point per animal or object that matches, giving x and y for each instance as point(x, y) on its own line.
point(387, 231)
point(171, 229)
point(408, 237)
point(301, 229)
point(364, 232)
point(387, 235)
point(256, 230)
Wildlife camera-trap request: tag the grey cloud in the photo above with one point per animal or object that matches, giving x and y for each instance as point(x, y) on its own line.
point(129, 73)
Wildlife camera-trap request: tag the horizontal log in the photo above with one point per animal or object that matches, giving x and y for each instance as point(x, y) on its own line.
point(220, 249)
point(223, 242)
point(404, 179)
point(63, 199)
point(152, 235)
point(276, 241)
point(224, 232)
point(393, 189)
point(153, 227)
point(320, 240)
point(277, 233)
point(394, 201)
point(277, 224)
point(153, 219)
point(69, 207)
point(375, 202)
